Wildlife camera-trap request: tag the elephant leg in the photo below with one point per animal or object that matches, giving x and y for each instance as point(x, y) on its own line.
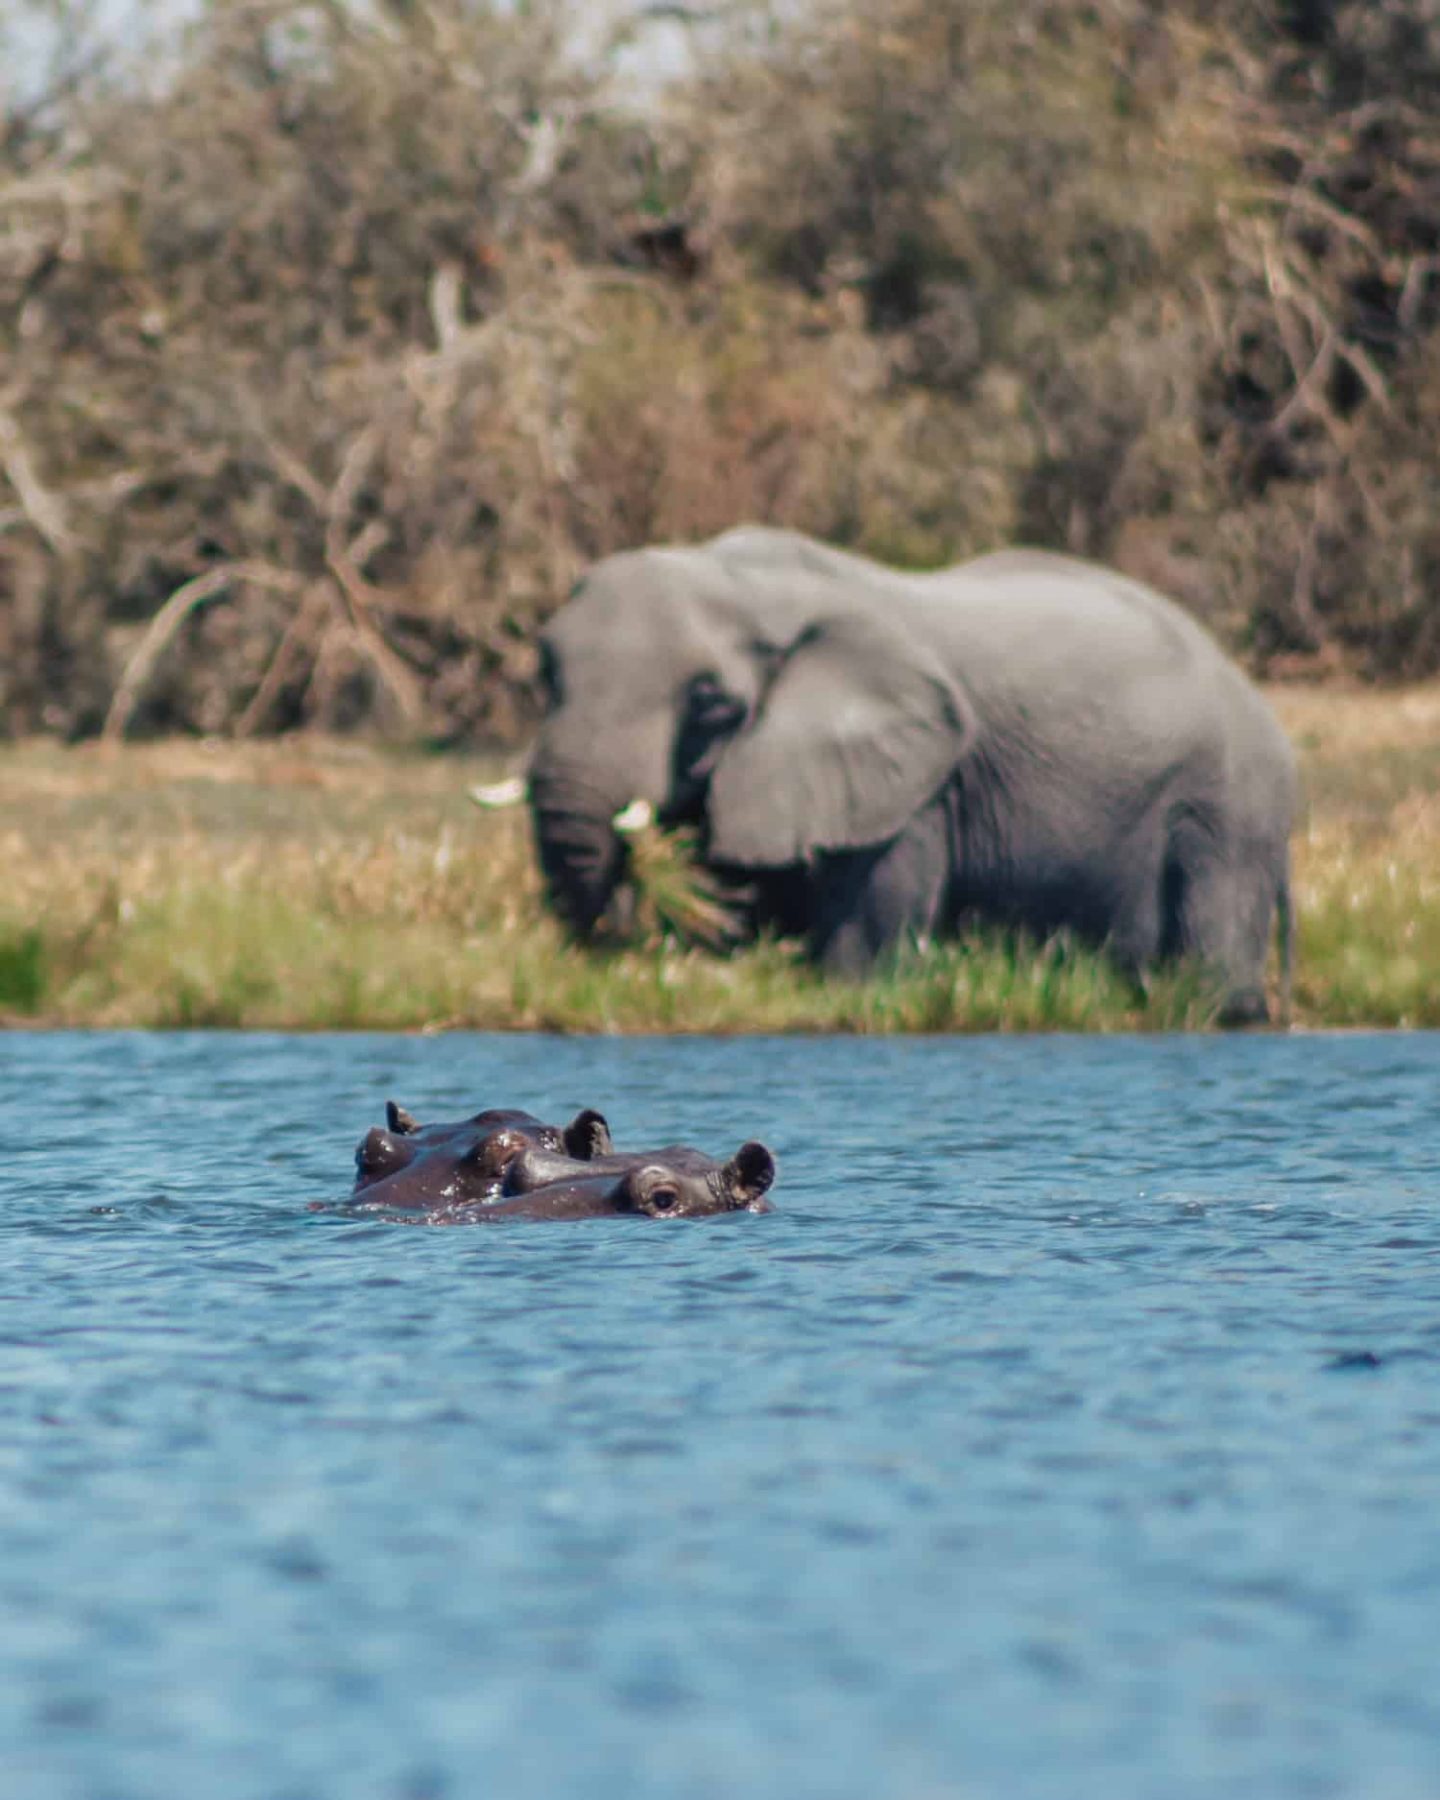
point(1222, 900)
point(1136, 933)
point(869, 902)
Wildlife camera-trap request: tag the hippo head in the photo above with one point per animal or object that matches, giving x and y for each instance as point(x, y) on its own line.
point(674, 1183)
point(412, 1167)
point(685, 1184)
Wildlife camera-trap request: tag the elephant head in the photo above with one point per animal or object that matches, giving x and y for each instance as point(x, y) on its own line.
point(756, 686)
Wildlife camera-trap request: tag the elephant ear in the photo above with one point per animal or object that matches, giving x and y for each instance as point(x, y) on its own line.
point(860, 728)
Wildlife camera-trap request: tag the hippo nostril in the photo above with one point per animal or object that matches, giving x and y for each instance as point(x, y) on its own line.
point(377, 1151)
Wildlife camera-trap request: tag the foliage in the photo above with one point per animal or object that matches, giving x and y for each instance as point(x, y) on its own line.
point(23, 971)
point(676, 896)
point(335, 338)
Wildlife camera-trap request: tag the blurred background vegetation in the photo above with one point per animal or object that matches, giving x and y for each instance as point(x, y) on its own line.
point(336, 338)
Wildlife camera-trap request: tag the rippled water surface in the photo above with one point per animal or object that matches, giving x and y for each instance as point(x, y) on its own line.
point(1071, 1428)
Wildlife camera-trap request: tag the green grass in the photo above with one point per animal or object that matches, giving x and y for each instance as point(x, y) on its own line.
point(303, 885)
point(24, 969)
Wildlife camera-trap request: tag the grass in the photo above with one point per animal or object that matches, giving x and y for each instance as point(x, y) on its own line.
point(309, 884)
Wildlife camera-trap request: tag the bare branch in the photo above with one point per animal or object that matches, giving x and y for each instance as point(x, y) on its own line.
point(44, 508)
point(167, 621)
point(294, 640)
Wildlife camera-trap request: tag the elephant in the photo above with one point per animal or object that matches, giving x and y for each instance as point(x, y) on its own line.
point(875, 758)
point(409, 1167)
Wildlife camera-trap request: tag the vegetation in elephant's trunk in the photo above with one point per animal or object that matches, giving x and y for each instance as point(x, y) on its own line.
point(676, 897)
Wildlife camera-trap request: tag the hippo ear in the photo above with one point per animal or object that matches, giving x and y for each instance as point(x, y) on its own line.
point(587, 1136)
point(860, 728)
point(399, 1120)
point(749, 1172)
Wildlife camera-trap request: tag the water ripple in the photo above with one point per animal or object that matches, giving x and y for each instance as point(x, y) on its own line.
point(1069, 1427)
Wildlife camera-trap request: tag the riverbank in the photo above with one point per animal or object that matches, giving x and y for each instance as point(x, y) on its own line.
point(312, 884)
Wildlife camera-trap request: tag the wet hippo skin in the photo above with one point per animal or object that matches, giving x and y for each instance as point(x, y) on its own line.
point(405, 1166)
point(676, 1183)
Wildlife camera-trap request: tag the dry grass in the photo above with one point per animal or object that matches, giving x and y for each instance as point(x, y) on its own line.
point(1367, 857)
point(310, 883)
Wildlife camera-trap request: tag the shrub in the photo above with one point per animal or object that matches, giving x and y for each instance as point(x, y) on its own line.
point(339, 338)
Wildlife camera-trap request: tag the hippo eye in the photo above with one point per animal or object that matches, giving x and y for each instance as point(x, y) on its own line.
point(664, 1199)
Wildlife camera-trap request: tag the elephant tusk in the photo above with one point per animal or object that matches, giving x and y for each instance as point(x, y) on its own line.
point(637, 816)
point(501, 793)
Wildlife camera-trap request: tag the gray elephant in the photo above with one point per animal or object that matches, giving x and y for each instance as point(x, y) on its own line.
point(880, 756)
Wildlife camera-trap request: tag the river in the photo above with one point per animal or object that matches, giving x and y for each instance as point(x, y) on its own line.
point(1071, 1427)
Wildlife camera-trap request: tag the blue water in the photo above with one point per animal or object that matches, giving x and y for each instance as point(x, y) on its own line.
point(1071, 1428)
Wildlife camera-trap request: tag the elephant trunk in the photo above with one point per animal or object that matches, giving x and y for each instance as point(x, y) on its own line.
point(582, 857)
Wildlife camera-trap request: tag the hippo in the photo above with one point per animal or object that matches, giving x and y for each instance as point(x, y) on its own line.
point(409, 1167)
point(674, 1183)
